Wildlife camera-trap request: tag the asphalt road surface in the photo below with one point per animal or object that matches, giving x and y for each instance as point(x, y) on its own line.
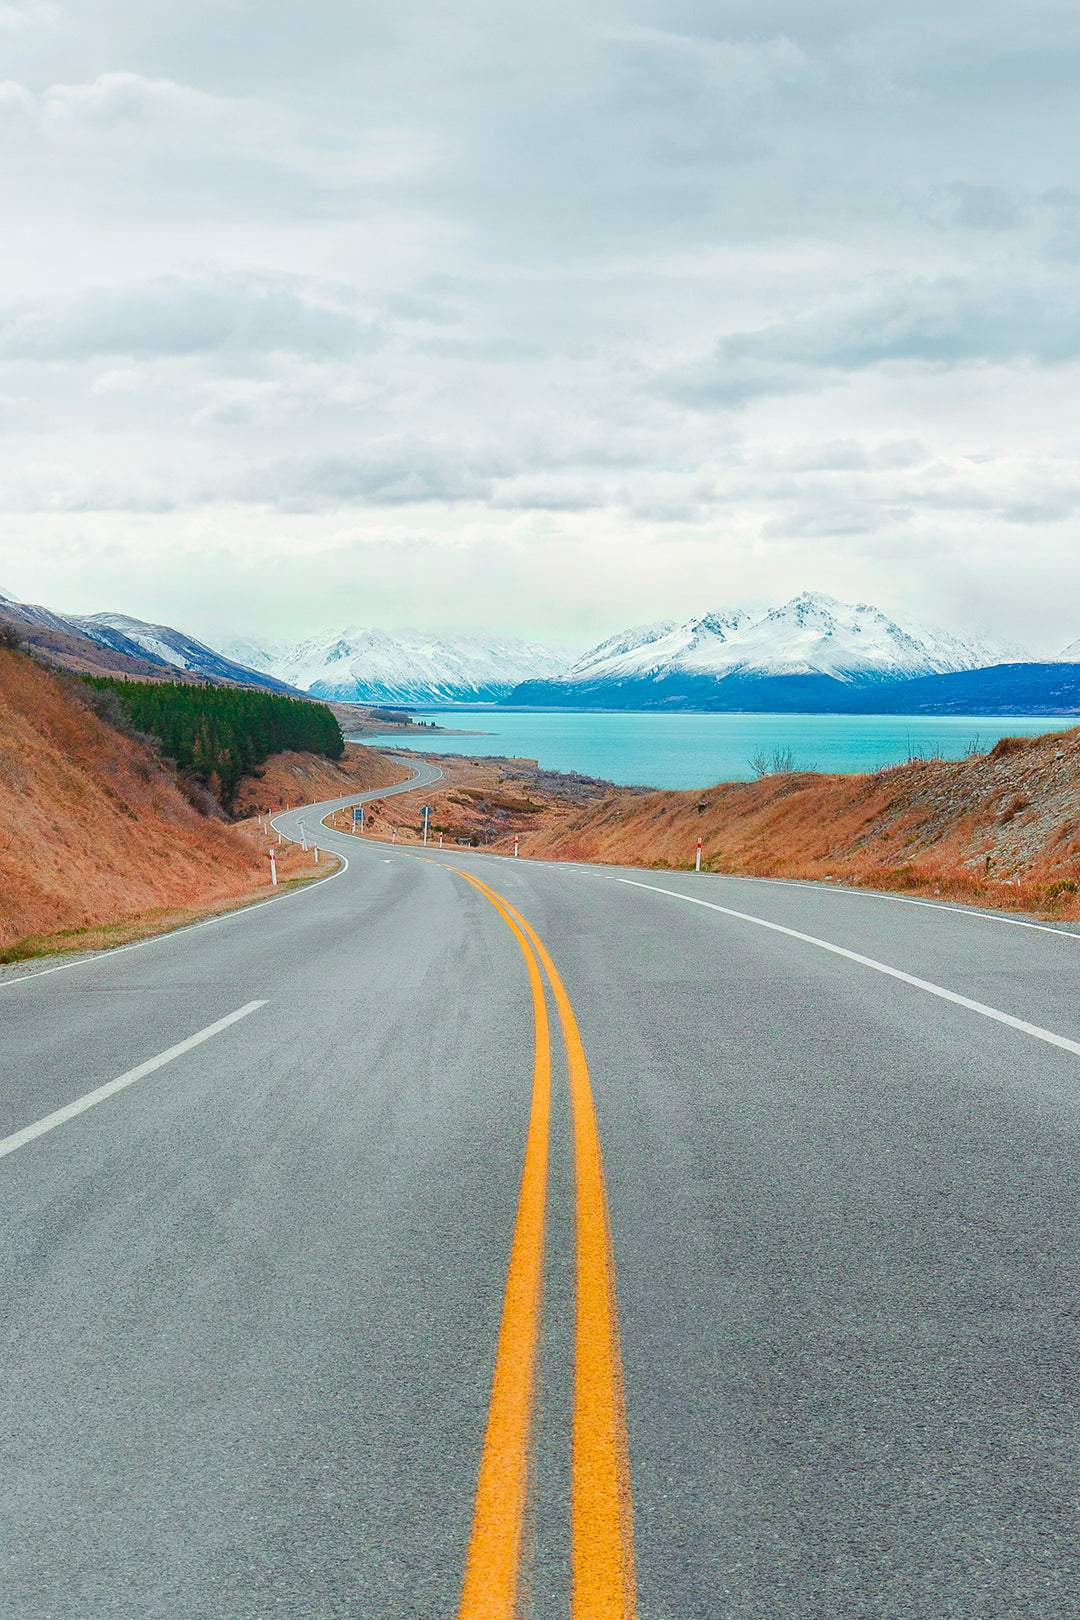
point(260, 1355)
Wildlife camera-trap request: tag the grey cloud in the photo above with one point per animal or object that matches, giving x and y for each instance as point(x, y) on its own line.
point(540, 494)
point(848, 455)
point(187, 315)
point(989, 208)
point(946, 320)
point(115, 107)
point(949, 321)
point(417, 307)
point(830, 521)
point(394, 471)
point(748, 270)
point(31, 21)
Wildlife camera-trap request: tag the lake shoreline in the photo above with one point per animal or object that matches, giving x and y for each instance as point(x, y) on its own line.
point(688, 751)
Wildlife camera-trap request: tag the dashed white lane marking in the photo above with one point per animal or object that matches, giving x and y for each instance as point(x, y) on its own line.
point(931, 989)
point(18, 1139)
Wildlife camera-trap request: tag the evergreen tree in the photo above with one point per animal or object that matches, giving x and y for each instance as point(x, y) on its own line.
point(222, 730)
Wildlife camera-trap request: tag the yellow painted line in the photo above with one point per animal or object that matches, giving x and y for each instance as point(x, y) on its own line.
point(494, 1556)
point(602, 1538)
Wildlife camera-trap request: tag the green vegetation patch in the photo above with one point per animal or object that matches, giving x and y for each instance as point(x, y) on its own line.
point(221, 732)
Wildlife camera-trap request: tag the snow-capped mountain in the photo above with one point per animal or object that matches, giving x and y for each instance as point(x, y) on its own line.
point(811, 635)
point(1068, 655)
point(154, 646)
point(804, 654)
point(255, 652)
point(161, 644)
point(367, 665)
point(648, 649)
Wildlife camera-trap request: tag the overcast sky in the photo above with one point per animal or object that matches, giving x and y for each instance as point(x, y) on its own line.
point(540, 318)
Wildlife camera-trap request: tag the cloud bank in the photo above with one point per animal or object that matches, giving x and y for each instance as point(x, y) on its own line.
point(543, 319)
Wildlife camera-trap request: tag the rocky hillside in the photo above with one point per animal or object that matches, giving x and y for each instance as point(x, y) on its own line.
point(999, 829)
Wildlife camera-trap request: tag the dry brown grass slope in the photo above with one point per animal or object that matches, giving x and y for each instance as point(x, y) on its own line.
point(97, 841)
point(999, 829)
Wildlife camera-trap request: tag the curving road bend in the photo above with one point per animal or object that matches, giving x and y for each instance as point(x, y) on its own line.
point(254, 1288)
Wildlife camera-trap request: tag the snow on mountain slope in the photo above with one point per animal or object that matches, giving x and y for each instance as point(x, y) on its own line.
point(161, 644)
point(810, 635)
point(254, 652)
point(1067, 655)
point(651, 648)
point(817, 635)
point(368, 665)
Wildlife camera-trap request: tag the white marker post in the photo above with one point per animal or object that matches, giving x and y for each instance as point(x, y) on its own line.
point(440, 840)
point(303, 838)
point(315, 847)
point(427, 810)
point(515, 846)
point(273, 869)
point(697, 863)
point(393, 839)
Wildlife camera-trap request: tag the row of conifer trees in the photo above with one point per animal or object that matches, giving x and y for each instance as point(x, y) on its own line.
point(220, 734)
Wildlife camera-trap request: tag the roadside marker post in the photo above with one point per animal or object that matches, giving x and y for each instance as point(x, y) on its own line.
point(515, 845)
point(315, 847)
point(273, 869)
point(303, 838)
point(697, 863)
point(440, 840)
point(427, 813)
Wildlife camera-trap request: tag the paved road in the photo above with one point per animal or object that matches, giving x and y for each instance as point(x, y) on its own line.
point(252, 1298)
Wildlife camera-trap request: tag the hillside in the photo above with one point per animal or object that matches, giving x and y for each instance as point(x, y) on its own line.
point(999, 829)
point(97, 836)
point(221, 734)
point(482, 801)
point(67, 649)
point(115, 643)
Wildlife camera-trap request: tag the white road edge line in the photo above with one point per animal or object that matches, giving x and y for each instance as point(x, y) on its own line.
point(931, 989)
point(18, 1139)
point(906, 900)
point(242, 910)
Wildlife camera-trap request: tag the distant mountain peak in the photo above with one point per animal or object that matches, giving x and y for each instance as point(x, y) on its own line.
point(367, 664)
point(813, 634)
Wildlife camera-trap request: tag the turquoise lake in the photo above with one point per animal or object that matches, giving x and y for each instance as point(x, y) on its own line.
point(697, 750)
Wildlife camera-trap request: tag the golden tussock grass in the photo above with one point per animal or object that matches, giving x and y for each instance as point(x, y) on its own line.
point(999, 829)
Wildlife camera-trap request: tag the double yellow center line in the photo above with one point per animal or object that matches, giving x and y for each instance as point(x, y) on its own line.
point(602, 1547)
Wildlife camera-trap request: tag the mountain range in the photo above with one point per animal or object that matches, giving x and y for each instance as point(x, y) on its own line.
point(813, 654)
point(410, 667)
point(116, 644)
point(810, 635)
